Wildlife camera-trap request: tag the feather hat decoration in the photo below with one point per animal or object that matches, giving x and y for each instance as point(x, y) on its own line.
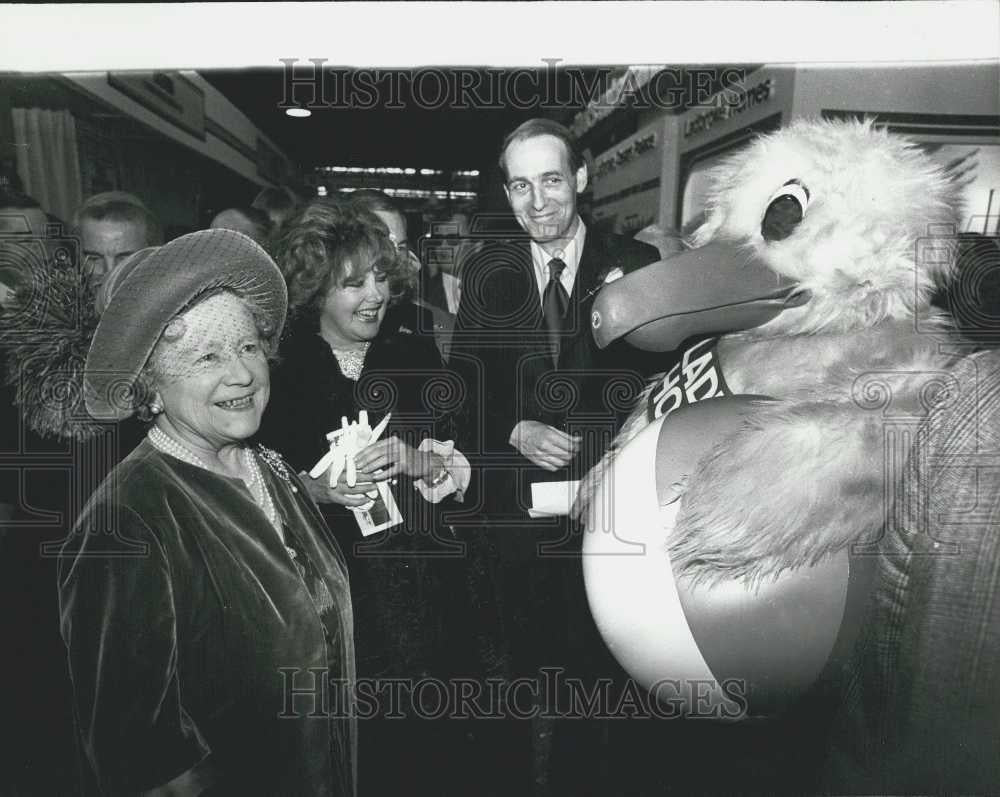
point(45, 333)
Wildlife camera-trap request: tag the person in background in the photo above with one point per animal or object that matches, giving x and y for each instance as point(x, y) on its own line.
point(346, 352)
point(38, 756)
point(112, 226)
point(201, 576)
point(432, 317)
point(249, 221)
point(442, 287)
point(279, 203)
point(55, 457)
point(916, 696)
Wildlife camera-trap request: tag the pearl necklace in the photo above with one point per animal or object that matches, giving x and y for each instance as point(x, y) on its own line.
point(258, 490)
point(351, 361)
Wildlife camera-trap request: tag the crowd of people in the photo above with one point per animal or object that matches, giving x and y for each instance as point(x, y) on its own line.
point(206, 576)
point(212, 613)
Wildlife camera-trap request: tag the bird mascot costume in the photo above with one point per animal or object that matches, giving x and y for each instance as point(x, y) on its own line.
point(728, 526)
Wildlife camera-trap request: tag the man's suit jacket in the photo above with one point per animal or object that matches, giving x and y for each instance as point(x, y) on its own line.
point(501, 348)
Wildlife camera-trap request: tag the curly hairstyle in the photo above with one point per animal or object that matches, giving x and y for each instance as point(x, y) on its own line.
point(325, 242)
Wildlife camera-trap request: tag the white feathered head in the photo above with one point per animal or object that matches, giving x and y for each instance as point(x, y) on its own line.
point(861, 222)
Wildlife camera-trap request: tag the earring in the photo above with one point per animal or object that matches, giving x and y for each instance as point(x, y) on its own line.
point(156, 408)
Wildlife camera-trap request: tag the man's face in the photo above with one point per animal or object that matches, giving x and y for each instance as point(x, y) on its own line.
point(542, 187)
point(107, 243)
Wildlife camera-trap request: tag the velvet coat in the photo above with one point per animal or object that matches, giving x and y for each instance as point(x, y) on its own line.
point(194, 640)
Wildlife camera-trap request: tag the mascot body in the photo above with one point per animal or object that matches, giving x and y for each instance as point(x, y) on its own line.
point(720, 524)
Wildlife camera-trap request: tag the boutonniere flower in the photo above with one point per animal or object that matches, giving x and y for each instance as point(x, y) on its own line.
point(606, 277)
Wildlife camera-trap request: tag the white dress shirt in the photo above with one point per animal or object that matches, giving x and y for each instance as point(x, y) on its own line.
point(452, 291)
point(570, 256)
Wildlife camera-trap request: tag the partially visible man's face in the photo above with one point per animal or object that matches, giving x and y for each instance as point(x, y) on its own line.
point(107, 243)
point(397, 228)
point(542, 187)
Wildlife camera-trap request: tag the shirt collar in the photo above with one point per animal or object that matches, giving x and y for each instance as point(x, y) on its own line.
point(570, 256)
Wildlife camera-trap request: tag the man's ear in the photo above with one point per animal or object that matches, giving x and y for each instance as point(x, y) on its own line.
point(581, 178)
point(506, 192)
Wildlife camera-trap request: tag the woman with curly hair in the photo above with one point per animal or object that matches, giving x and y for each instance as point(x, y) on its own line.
point(345, 281)
point(352, 346)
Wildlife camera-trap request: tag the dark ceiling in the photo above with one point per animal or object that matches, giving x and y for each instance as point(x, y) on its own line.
point(439, 118)
point(421, 129)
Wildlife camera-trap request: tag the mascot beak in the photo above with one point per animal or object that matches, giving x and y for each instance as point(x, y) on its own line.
point(719, 287)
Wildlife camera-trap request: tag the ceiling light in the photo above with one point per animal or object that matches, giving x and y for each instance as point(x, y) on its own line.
point(298, 113)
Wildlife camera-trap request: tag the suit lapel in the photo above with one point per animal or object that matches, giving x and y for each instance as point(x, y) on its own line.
point(578, 313)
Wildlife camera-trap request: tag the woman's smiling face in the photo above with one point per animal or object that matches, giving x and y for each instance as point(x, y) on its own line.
point(213, 380)
point(354, 307)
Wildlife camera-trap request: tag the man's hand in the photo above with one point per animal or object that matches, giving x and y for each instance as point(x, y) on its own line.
point(544, 445)
point(386, 458)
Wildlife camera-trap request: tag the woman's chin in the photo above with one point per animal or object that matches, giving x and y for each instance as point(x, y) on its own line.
point(367, 330)
point(241, 427)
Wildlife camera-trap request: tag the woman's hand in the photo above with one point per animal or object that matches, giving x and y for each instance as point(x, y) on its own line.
point(391, 456)
point(341, 493)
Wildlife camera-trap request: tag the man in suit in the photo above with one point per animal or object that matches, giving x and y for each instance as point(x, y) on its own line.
point(542, 402)
point(538, 404)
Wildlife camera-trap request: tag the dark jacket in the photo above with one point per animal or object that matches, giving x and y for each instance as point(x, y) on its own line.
point(44, 483)
point(423, 600)
point(919, 704)
point(500, 346)
point(404, 580)
point(184, 617)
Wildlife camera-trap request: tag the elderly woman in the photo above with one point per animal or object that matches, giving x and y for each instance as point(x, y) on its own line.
point(349, 348)
point(204, 604)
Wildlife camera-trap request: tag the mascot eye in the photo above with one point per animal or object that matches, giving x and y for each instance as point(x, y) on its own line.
point(784, 212)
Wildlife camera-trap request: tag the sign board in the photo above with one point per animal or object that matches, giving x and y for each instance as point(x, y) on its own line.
point(626, 180)
point(169, 95)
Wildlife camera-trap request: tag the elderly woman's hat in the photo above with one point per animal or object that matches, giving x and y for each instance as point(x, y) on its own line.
point(154, 286)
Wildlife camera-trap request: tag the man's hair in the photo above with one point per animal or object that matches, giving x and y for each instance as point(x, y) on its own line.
point(240, 219)
point(122, 208)
point(280, 203)
point(371, 199)
point(542, 127)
